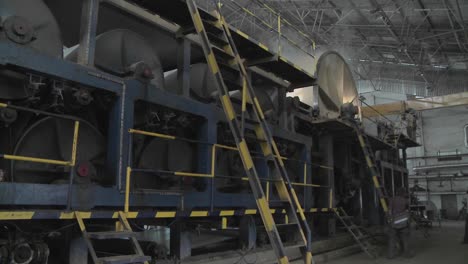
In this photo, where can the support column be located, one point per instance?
(89, 19)
(206, 133)
(327, 223)
(247, 232)
(120, 121)
(405, 176)
(181, 245)
(183, 66)
(78, 251)
(308, 193)
(283, 117)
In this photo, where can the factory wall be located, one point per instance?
(442, 136)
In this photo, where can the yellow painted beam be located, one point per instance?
(418, 105)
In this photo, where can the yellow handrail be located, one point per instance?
(68, 163)
(212, 169)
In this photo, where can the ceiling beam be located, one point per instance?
(427, 18)
(452, 25)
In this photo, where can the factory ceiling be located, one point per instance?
(424, 41)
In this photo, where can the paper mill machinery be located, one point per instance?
(109, 113)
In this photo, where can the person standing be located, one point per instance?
(398, 229)
(465, 241)
(462, 212)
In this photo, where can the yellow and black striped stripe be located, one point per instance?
(66, 215)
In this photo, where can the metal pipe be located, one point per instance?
(36, 160)
(436, 156)
(441, 167)
(438, 176)
(127, 190)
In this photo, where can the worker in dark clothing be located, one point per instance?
(398, 230)
(465, 241)
(462, 212)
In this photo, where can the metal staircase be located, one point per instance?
(230, 74)
(125, 233)
(357, 232)
(393, 140)
(377, 178)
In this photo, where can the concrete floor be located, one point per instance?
(442, 247)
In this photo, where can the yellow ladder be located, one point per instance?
(357, 232)
(377, 178)
(126, 232)
(222, 56)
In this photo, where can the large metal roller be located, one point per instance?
(164, 43)
(336, 87)
(202, 82)
(202, 88)
(52, 139)
(118, 50)
(29, 23)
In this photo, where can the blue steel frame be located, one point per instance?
(128, 91)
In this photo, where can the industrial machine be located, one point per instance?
(111, 116)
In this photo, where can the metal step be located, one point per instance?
(232, 85)
(358, 232)
(207, 16)
(211, 28)
(232, 68)
(299, 245)
(124, 259)
(219, 41)
(279, 203)
(219, 52)
(287, 225)
(253, 122)
(111, 234)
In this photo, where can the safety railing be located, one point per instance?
(68, 163)
(397, 127)
(262, 23)
(212, 174)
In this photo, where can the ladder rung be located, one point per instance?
(232, 85)
(111, 234)
(211, 28)
(279, 203)
(247, 136)
(206, 16)
(287, 225)
(233, 68)
(295, 246)
(222, 53)
(217, 40)
(124, 259)
(252, 121)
